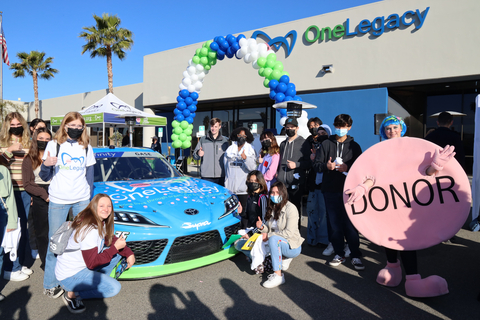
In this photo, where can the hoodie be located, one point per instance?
(348, 150)
(212, 160)
(297, 151)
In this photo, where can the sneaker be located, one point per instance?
(74, 305)
(357, 264)
(286, 263)
(337, 261)
(15, 276)
(347, 251)
(274, 280)
(2, 297)
(27, 271)
(53, 293)
(329, 250)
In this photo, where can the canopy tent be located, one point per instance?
(106, 112)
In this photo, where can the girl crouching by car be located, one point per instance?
(91, 254)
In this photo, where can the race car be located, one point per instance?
(173, 223)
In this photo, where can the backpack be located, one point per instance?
(59, 240)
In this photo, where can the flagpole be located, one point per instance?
(1, 60)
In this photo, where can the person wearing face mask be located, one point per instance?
(15, 143)
(68, 161)
(35, 124)
(294, 163)
(334, 159)
(269, 157)
(239, 160)
(38, 189)
(256, 205)
(313, 124)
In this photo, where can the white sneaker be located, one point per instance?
(15, 276)
(347, 251)
(2, 297)
(274, 280)
(286, 263)
(27, 271)
(329, 250)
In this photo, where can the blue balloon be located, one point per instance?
(189, 119)
(273, 84)
(229, 53)
(176, 111)
(214, 46)
(193, 115)
(195, 102)
(188, 101)
(186, 113)
(181, 106)
(285, 79)
(180, 117)
(279, 97)
(290, 92)
(282, 87)
(291, 86)
(220, 56)
(297, 98)
(184, 93)
(240, 36)
(235, 47)
(179, 99)
(192, 108)
(224, 45)
(231, 39)
(272, 94)
(287, 98)
(220, 39)
(194, 96)
(283, 112)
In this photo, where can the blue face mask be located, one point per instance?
(276, 199)
(341, 132)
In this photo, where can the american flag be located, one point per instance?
(4, 46)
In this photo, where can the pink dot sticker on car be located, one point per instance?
(406, 209)
(138, 185)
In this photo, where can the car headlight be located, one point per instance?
(134, 219)
(231, 204)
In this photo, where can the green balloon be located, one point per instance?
(272, 56)
(182, 137)
(212, 62)
(174, 137)
(278, 66)
(190, 126)
(204, 61)
(270, 64)
(175, 123)
(188, 132)
(265, 83)
(209, 42)
(261, 62)
(177, 144)
(261, 71)
(212, 55)
(184, 124)
(208, 67)
(189, 138)
(284, 73)
(267, 72)
(197, 52)
(196, 59)
(186, 144)
(178, 130)
(276, 74)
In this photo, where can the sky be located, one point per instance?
(53, 27)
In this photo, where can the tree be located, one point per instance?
(35, 64)
(106, 39)
(7, 106)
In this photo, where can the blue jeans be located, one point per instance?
(239, 245)
(341, 226)
(279, 248)
(97, 283)
(317, 230)
(57, 214)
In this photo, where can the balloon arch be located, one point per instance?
(259, 54)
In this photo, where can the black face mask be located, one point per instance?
(42, 145)
(322, 138)
(253, 186)
(290, 132)
(18, 131)
(74, 133)
(241, 141)
(313, 131)
(266, 144)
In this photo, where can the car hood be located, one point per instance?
(182, 202)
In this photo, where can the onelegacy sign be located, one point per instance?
(376, 27)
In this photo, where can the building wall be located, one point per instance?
(442, 48)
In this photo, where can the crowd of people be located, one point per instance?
(271, 196)
(43, 178)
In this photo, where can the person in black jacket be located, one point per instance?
(334, 159)
(156, 146)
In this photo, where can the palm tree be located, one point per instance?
(106, 39)
(35, 64)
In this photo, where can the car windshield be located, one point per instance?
(132, 168)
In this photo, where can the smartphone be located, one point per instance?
(121, 267)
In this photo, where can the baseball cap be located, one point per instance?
(291, 121)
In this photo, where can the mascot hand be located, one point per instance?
(356, 193)
(442, 156)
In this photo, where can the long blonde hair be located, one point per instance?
(6, 136)
(61, 135)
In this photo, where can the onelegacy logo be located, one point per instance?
(279, 41)
(70, 163)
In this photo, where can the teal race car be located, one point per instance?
(173, 223)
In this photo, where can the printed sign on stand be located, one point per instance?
(201, 131)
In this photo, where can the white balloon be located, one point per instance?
(254, 55)
(186, 74)
(255, 65)
(282, 121)
(199, 68)
(240, 55)
(206, 71)
(194, 77)
(270, 51)
(201, 75)
(191, 88)
(262, 47)
(187, 81)
(182, 87)
(251, 42)
(199, 85)
(244, 50)
(302, 125)
(242, 42)
(253, 47)
(191, 70)
(247, 58)
(263, 54)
